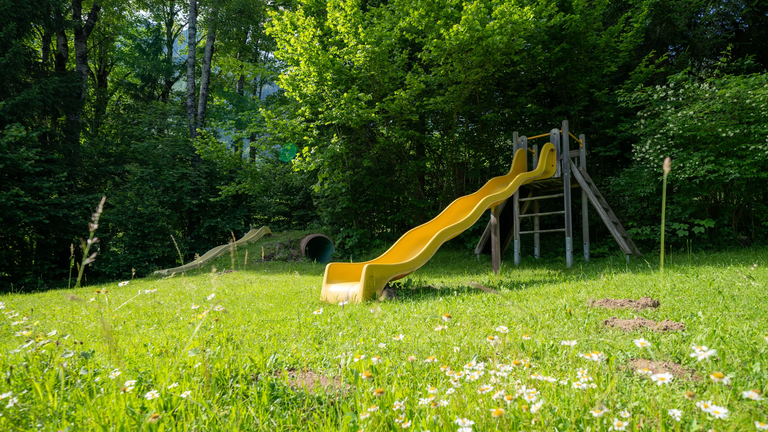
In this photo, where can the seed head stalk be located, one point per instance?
(86, 244)
(667, 168)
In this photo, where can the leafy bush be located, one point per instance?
(715, 129)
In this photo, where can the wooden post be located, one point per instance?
(495, 240)
(536, 239)
(523, 145)
(567, 196)
(584, 199)
(554, 138)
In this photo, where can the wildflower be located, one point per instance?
(592, 385)
(619, 425)
(718, 412)
(564, 382)
(6, 395)
(719, 377)
(430, 359)
(210, 297)
(443, 402)
(502, 329)
(432, 390)
(493, 340)
(398, 337)
(753, 394)
(766, 338)
(462, 422)
(382, 345)
(194, 306)
(358, 357)
(52, 333)
(122, 284)
(411, 359)
(760, 425)
(318, 312)
(152, 394)
(130, 383)
(596, 356)
(441, 327)
(496, 413)
(536, 407)
(455, 349)
(219, 308)
(450, 391)
(579, 385)
(598, 412)
(484, 389)
(154, 418)
(509, 399)
(93, 299)
(583, 375)
(642, 343)
(150, 291)
(661, 378)
(366, 375)
(405, 424)
(373, 408)
(364, 416)
(115, 373)
(342, 303)
(445, 368)
(690, 395)
(376, 359)
(526, 337)
(645, 371)
(676, 414)
(13, 401)
(174, 385)
(704, 405)
(398, 405)
(703, 355)
(530, 397)
(446, 317)
(624, 414)
(399, 419)
(425, 401)
(569, 343)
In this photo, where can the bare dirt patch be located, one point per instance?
(675, 369)
(642, 303)
(638, 323)
(313, 382)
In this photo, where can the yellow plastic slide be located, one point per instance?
(356, 282)
(251, 236)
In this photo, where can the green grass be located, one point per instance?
(233, 362)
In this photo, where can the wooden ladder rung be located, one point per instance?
(543, 214)
(541, 197)
(543, 231)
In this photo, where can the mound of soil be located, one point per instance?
(638, 323)
(312, 381)
(664, 366)
(642, 303)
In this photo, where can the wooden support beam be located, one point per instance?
(495, 240)
(523, 143)
(567, 197)
(536, 239)
(584, 199)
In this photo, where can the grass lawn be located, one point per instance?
(255, 349)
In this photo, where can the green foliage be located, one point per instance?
(714, 128)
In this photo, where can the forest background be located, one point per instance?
(177, 112)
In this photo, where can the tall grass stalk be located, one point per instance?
(86, 244)
(667, 168)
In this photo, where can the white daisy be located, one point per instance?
(676, 414)
(661, 378)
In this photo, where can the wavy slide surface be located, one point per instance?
(356, 282)
(251, 236)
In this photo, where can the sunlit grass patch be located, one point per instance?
(256, 350)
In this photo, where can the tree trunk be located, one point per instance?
(240, 86)
(62, 45)
(170, 42)
(46, 48)
(81, 33)
(191, 86)
(205, 79)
